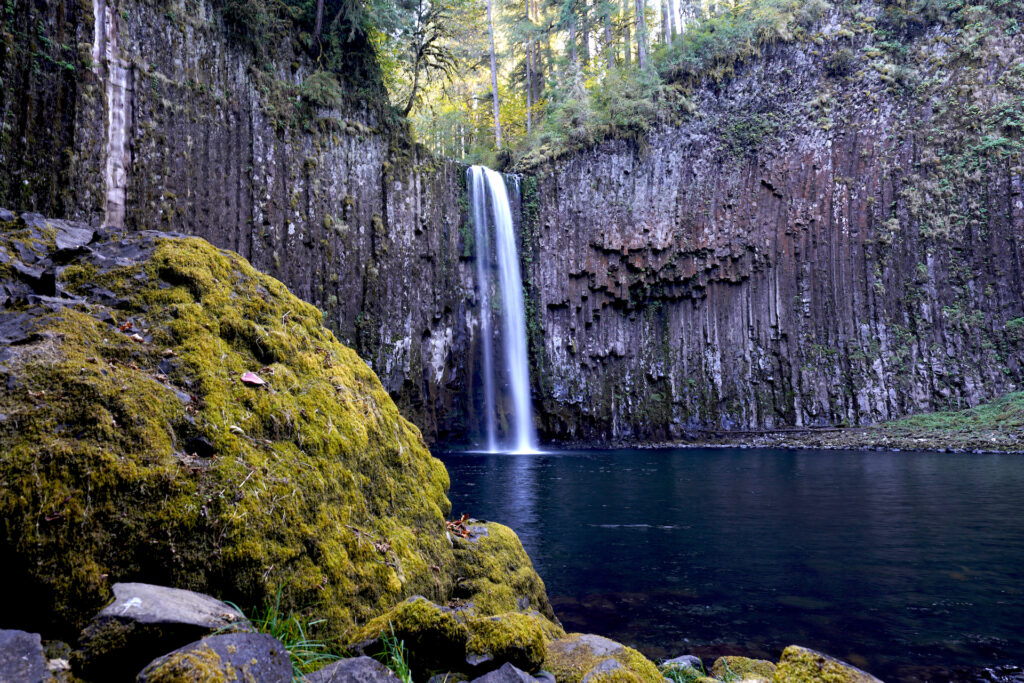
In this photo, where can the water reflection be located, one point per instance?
(910, 564)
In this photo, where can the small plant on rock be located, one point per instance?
(394, 655)
(307, 654)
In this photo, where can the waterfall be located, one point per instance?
(114, 72)
(510, 283)
(483, 267)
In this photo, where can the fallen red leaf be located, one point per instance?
(253, 379)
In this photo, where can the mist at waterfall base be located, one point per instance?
(487, 190)
(906, 565)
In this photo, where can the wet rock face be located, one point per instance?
(809, 250)
(815, 246)
(184, 130)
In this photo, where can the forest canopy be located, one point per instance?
(483, 79)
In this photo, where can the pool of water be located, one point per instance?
(908, 565)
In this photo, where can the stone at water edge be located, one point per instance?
(21, 657)
(229, 657)
(803, 665)
(683, 662)
(572, 658)
(353, 670)
(744, 667)
(146, 621)
(506, 674)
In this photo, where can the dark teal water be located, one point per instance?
(909, 565)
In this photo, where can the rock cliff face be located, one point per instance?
(835, 237)
(152, 116)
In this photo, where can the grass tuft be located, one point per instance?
(307, 653)
(394, 655)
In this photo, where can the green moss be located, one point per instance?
(512, 637)
(313, 484)
(739, 668)
(496, 574)
(801, 665)
(433, 636)
(201, 665)
(570, 659)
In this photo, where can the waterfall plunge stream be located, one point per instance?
(484, 183)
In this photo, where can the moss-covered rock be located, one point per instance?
(236, 657)
(495, 573)
(742, 668)
(573, 658)
(513, 637)
(440, 638)
(434, 638)
(803, 665)
(131, 449)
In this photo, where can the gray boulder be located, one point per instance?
(602, 669)
(21, 657)
(232, 656)
(355, 669)
(506, 674)
(684, 662)
(146, 621)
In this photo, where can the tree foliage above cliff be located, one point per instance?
(578, 71)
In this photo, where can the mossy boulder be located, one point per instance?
(495, 574)
(433, 636)
(512, 637)
(803, 665)
(742, 668)
(459, 639)
(579, 657)
(131, 448)
(235, 657)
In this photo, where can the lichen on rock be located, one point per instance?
(572, 659)
(803, 665)
(742, 667)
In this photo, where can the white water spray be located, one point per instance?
(524, 436)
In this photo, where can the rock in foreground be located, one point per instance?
(803, 665)
(255, 657)
(21, 657)
(144, 622)
(135, 446)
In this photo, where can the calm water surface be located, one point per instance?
(908, 565)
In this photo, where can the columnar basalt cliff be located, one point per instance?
(832, 237)
(835, 237)
(154, 116)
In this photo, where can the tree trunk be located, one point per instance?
(627, 40)
(585, 26)
(666, 22)
(494, 77)
(609, 46)
(641, 33)
(529, 84)
(319, 24)
(572, 39)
